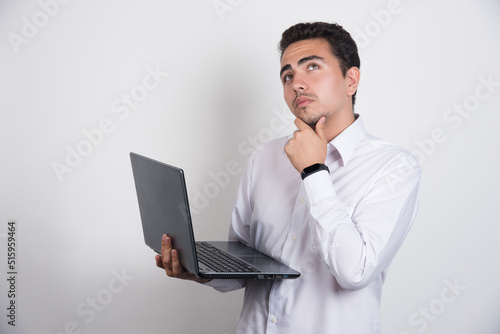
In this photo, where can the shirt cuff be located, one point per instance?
(319, 186)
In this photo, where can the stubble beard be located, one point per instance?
(311, 120)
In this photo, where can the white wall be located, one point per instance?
(77, 232)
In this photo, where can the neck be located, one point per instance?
(335, 125)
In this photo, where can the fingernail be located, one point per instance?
(167, 240)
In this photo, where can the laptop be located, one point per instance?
(164, 208)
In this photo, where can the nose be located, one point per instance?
(299, 82)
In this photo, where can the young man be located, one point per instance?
(331, 201)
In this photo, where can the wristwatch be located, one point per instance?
(313, 169)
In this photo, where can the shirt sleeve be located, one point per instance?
(358, 246)
(225, 285)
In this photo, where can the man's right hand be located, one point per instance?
(169, 260)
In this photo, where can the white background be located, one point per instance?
(75, 233)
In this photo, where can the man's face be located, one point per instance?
(313, 83)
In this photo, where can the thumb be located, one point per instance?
(320, 128)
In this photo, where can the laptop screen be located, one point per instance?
(164, 208)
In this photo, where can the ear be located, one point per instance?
(352, 76)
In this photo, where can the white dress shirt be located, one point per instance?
(341, 230)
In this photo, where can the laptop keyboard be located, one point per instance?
(218, 261)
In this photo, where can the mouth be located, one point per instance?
(302, 101)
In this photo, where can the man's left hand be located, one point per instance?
(307, 146)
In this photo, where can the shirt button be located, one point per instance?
(293, 237)
(274, 320)
(302, 200)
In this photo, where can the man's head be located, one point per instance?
(319, 70)
(341, 43)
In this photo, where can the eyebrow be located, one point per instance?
(300, 62)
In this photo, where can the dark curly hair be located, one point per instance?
(341, 43)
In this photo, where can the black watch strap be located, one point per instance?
(313, 169)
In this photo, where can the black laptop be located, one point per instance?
(164, 207)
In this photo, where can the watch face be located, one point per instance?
(312, 169)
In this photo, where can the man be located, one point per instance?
(331, 201)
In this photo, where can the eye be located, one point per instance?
(287, 77)
(312, 66)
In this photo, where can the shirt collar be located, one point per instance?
(347, 141)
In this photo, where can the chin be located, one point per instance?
(312, 120)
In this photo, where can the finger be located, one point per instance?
(166, 254)
(176, 264)
(166, 247)
(320, 129)
(288, 147)
(159, 262)
(300, 124)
